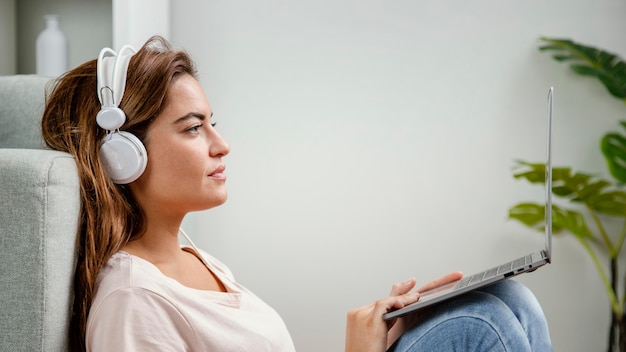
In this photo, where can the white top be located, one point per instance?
(138, 308)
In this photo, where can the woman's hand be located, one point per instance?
(406, 322)
(367, 331)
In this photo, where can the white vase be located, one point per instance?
(51, 49)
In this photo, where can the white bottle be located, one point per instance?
(51, 49)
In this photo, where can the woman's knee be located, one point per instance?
(473, 322)
(527, 310)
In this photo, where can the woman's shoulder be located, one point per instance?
(132, 292)
(124, 265)
(124, 271)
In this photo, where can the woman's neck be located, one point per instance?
(159, 244)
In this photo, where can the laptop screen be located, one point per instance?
(548, 182)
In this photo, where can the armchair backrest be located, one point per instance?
(39, 212)
(22, 99)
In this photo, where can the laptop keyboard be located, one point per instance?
(499, 270)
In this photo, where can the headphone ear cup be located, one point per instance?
(123, 156)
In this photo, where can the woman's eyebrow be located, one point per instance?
(191, 115)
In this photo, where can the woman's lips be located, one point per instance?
(218, 173)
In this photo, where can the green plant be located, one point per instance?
(593, 201)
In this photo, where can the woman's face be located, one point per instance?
(185, 171)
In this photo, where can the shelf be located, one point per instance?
(88, 25)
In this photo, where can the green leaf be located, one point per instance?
(549, 47)
(597, 193)
(593, 188)
(529, 214)
(572, 221)
(563, 58)
(585, 60)
(533, 215)
(610, 203)
(613, 146)
(586, 70)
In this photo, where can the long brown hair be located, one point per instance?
(109, 217)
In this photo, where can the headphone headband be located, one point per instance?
(111, 70)
(122, 154)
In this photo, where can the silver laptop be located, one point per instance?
(515, 267)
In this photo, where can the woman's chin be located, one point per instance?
(214, 201)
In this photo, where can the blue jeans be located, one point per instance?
(502, 317)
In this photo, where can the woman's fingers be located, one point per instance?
(400, 288)
(401, 291)
(366, 330)
(404, 287)
(444, 280)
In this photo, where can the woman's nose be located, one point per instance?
(219, 147)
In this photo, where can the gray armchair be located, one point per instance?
(39, 207)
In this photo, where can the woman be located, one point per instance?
(137, 289)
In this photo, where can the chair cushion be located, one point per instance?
(22, 99)
(39, 207)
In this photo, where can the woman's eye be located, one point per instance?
(194, 128)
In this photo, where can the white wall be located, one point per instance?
(134, 25)
(373, 141)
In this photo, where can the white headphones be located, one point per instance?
(122, 154)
